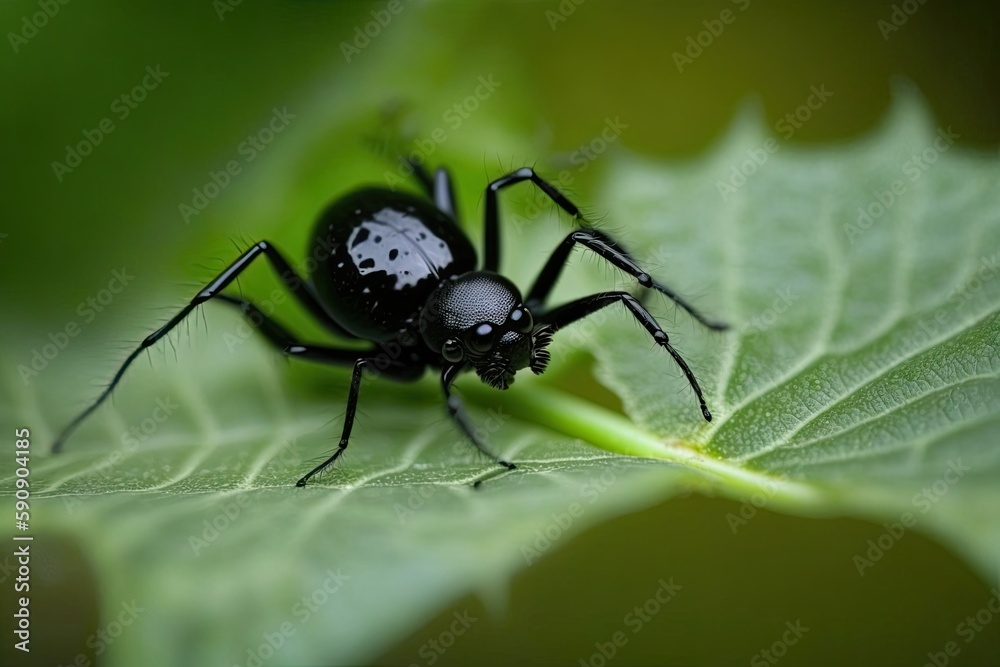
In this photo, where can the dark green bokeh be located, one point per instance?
(606, 60)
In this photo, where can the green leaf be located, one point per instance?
(862, 285)
(861, 369)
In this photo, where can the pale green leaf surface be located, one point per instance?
(882, 369)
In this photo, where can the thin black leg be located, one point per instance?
(575, 310)
(287, 343)
(444, 193)
(457, 413)
(491, 243)
(288, 276)
(439, 187)
(612, 251)
(352, 408)
(300, 288)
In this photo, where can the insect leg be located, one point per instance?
(444, 193)
(438, 187)
(458, 413)
(612, 251)
(491, 243)
(561, 316)
(286, 342)
(352, 408)
(298, 287)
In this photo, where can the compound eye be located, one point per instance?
(452, 351)
(522, 321)
(481, 339)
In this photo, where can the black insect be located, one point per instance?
(395, 269)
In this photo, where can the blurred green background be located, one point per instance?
(61, 239)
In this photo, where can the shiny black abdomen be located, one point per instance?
(379, 254)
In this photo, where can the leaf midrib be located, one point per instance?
(577, 418)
